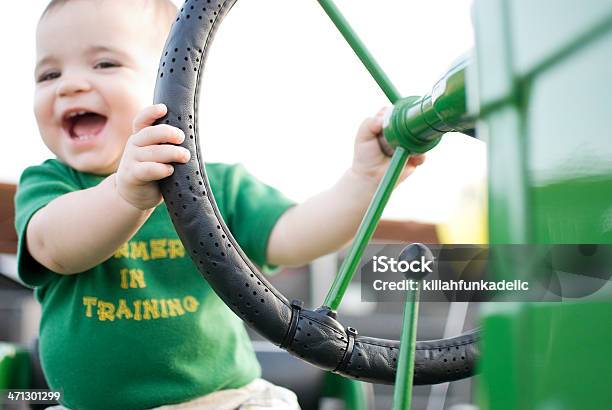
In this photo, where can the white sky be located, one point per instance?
(284, 94)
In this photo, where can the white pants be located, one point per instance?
(257, 395)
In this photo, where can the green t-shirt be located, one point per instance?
(143, 329)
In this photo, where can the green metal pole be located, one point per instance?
(402, 393)
(366, 229)
(381, 197)
(360, 49)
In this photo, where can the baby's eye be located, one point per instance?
(50, 75)
(107, 64)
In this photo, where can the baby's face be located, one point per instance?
(96, 66)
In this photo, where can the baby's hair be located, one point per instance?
(165, 10)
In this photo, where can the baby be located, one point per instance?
(128, 322)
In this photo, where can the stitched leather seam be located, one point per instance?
(469, 341)
(333, 329)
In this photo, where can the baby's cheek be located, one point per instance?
(43, 111)
(43, 107)
(129, 97)
(141, 86)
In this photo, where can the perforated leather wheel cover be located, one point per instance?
(311, 335)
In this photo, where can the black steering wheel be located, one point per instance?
(313, 335)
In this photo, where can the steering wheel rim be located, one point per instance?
(313, 335)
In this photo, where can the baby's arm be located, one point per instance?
(102, 218)
(327, 221)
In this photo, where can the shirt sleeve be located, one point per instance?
(253, 210)
(38, 186)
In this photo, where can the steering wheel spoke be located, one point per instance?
(361, 50)
(366, 229)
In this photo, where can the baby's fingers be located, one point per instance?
(146, 172)
(369, 129)
(158, 134)
(162, 154)
(416, 160)
(148, 116)
(372, 127)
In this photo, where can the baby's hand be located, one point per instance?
(147, 157)
(369, 162)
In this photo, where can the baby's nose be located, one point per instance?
(71, 85)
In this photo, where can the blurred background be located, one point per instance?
(300, 95)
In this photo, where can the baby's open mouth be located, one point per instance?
(84, 125)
